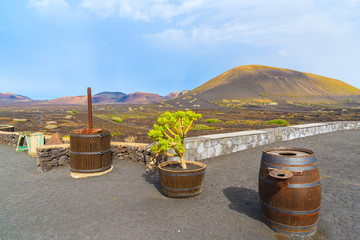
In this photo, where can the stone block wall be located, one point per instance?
(202, 147)
(9, 138)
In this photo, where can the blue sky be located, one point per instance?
(55, 48)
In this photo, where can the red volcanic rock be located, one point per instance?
(142, 98)
(175, 94)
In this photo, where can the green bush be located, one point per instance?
(202, 127)
(171, 133)
(72, 112)
(117, 120)
(213, 120)
(277, 122)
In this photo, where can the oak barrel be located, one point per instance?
(90, 152)
(290, 190)
(181, 183)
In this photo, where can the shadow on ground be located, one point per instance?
(152, 177)
(245, 201)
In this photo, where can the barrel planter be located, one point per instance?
(90, 152)
(290, 190)
(182, 183)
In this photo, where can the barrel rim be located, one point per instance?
(202, 165)
(77, 132)
(310, 152)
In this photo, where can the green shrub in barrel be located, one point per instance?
(179, 179)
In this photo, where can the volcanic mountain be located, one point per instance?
(266, 85)
(12, 97)
(115, 97)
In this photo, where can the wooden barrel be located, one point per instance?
(290, 190)
(90, 152)
(181, 183)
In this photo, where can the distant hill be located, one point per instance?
(249, 84)
(12, 97)
(109, 97)
(263, 84)
(113, 98)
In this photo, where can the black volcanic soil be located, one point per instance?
(139, 119)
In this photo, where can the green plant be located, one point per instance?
(213, 120)
(202, 127)
(117, 120)
(171, 133)
(72, 112)
(278, 122)
(130, 139)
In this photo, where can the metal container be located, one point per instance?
(290, 190)
(181, 183)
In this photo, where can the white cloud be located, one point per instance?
(264, 23)
(48, 6)
(187, 21)
(146, 10)
(170, 38)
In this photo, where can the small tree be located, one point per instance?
(171, 133)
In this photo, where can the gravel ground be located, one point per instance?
(126, 203)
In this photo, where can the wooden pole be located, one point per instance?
(89, 108)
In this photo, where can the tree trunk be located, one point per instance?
(182, 162)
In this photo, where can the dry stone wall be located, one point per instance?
(197, 148)
(52, 156)
(9, 138)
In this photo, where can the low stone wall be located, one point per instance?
(9, 138)
(7, 128)
(197, 148)
(51, 156)
(130, 151)
(202, 147)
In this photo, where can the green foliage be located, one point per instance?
(277, 122)
(117, 133)
(117, 120)
(171, 133)
(72, 112)
(202, 127)
(213, 120)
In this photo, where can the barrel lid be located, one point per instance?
(289, 152)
